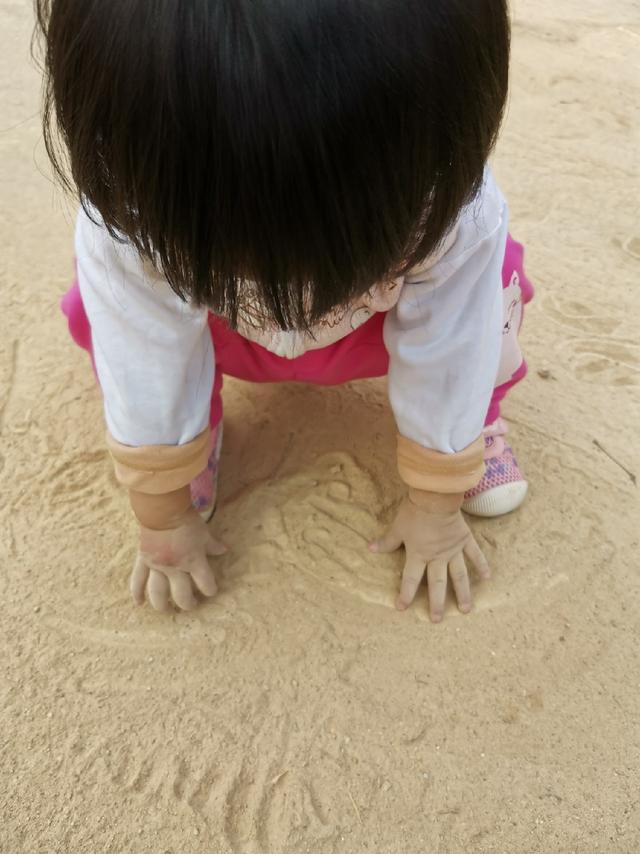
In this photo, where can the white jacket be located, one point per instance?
(154, 353)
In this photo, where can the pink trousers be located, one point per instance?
(360, 355)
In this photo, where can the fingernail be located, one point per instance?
(373, 547)
(400, 605)
(436, 618)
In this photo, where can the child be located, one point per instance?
(292, 190)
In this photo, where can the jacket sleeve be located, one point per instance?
(444, 341)
(154, 358)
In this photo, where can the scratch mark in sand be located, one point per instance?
(628, 32)
(355, 805)
(630, 474)
(10, 380)
(278, 777)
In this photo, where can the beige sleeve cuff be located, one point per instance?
(422, 468)
(156, 469)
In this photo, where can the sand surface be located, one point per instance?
(299, 712)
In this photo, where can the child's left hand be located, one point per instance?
(436, 538)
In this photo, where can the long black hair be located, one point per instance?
(312, 147)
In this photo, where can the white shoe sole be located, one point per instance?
(497, 501)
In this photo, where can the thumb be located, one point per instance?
(389, 542)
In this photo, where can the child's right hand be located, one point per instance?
(172, 564)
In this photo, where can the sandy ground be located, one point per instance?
(299, 712)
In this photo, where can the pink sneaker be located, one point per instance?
(204, 488)
(503, 487)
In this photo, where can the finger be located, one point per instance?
(437, 581)
(390, 542)
(214, 547)
(182, 591)
(138, 580)
(473, 552)
(460, 580)
(158, 590)
(412, 575)
(204, 578)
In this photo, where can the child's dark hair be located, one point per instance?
(314, 147)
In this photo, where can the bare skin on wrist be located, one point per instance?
(163, 512)
(436, 502)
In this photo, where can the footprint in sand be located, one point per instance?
(577, 316)
(605, 361)
(593, 355)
